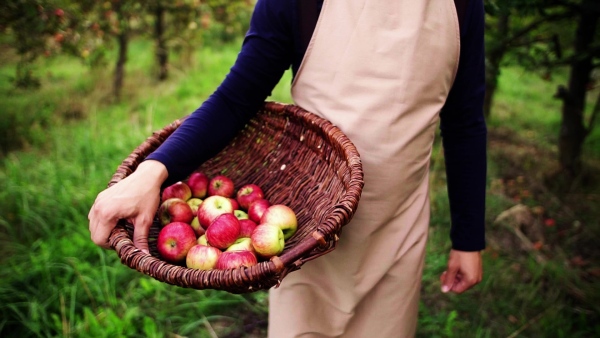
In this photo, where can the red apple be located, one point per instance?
(240, 214)
(211, 208)
(221, 185)
(59, 12)
(178, 190)
(247, 226)
(223, 231)
(198, 183)
(283, 217)
(174, 241)
(175, 210)
(249, 193)
(236, 259)
(194, 202)
(202, 257)
(235, 203)
(202, 240)
(267, 240)
(257, 208)
(241, 244)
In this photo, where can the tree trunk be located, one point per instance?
(162, 53)
(572, 130)
(123, 40)
(494, 57)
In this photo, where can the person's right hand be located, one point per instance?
(135, 198)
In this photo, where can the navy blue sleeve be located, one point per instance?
(265, 55)
(464, 137)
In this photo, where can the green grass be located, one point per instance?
(55, 282)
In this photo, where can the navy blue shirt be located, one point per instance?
(272, 45)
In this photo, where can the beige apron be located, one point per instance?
(380, 70)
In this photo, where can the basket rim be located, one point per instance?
(272, 272)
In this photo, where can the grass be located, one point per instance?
(71, 136)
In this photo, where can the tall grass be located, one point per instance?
(55, 282)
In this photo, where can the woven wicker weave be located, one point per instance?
(300, 160)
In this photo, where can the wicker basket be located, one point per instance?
(300, 160)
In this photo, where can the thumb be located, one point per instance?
(141, 230)
(447, 279)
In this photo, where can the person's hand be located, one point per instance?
(464, 271)
(135, 198)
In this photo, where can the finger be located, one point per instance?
(101, 232)
(449, 279)
(462, 285)
(140, 233)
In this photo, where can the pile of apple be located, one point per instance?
(207, 224)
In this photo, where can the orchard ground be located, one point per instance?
(61, 144)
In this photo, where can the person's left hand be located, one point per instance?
(464, 271)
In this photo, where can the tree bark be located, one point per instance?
(494, 57)
(573, 131)
(162, 53)
(123, 40)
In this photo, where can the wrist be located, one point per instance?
(153, 170)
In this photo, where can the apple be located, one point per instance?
(257, 208)
(202, 240)
(195, 223)
(241, 244)
(198, 183)
(235, 203)
(178, 190)
(282, 216)
(221, 185)
(223, 231)
(247, 226)
(194, 202)
(247, 194)
(174, 241)
(268, 240)
(240, 214)
(175, 210)
(202, 257)
(211, 208)
(236, 259)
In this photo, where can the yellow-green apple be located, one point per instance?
(240, 214)
(175, 210)
(247, 226)
(257, 208)
(267, 240)
(198, 183)
(195, 223)
(174, 241)
(235, 203)
(236, 259)
(202, 257)
(282, 216)
(202, 240)
(178, 190)
(247, 194)
(221, 185)
(194, 202)
(223, 231)
(241, 244)
(211, 208)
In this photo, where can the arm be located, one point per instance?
(265, 55)
(464, 137)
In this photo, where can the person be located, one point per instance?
(385, 72)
